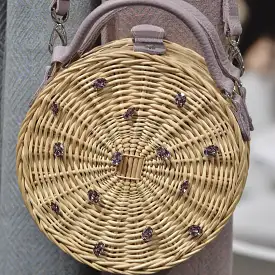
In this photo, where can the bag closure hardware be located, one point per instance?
(148, 39)
(58, 30)
(234, 54)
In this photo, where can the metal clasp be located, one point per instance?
(148, 39)
(235, 54)
(58, 30)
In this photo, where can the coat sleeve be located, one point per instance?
(24, 250)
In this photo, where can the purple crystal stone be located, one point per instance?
(180, 99)
(58, 150)
(93, 196)
(117, 158)
(129, 113)
(100, 83)
(184, 187)
(55, 108)
(55, 208)
(147, 234)
(99, 249)
(195, 231)
(163, 153)
(211, 151)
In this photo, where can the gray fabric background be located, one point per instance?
(3, 15)
(24, 250)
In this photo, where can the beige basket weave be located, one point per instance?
(144, 191)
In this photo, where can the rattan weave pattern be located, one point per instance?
(143, 190)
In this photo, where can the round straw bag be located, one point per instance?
(132, 162)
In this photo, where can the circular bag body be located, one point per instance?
(131, 162)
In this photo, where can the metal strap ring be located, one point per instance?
(59, 19)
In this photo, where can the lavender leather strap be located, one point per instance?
(205, 23)
(231, 19)
(232, 25)
(94, 33)
(61, 6)
(223, 72)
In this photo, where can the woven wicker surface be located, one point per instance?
(144, 190)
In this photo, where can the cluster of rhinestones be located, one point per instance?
(211, 151)
(58, 150)
(55, 108)
(184, 187)
(195, 231)
(163, 153)
(100, 83)
(117, 158)
(55, 208)
(129, 113)
(99, 249)
(93, 196)
(147, 234)
(180, 100)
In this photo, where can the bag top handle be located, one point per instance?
(232, 24)
(223, 72)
